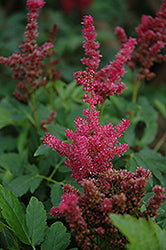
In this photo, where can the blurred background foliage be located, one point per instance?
(68, 15)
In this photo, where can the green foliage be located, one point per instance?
(12, 162)
(141, 234)
(36, 221)
(57, 238)
(56, 194)
(151, 160)
(31, 228)
(5, 118)
(13, 213)
(20, 185)
(27, 167)
(161, 107)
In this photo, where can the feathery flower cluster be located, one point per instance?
(115, 191)
(106, 81)
(27, 65)
(151, 37)
(70, 5)
(92, 146)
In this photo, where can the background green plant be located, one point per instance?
(31, 174)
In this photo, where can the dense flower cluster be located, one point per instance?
(92, 146)
(106, 81)
(89, 151)
(151, 37)
(69, 5)
(27, 65)
(115, 191)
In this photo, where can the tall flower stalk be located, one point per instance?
(91, 147)
(151, 39)
(26, 64)
(106, 81)
(89, 151)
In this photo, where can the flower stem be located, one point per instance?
(160, 143)
(102, 110)
(35, 111)
(50, 180)
(137, 85)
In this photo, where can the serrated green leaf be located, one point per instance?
(36, 221)
(5, 118)
(141, 234)
(22, 184)
(56, 194)
(57, 238)
(13, 213)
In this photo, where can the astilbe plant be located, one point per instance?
(91, 147)
(89, 151)
(151, 38)
(26, 64)
(114, 191)
(106, 81)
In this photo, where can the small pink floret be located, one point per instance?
(34, 5)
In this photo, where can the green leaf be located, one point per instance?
(13, 213)
(1, 226)
(12, 162)
(57, 130)
(20, 185)
(141, 234)
(7, 143)
(22, 140)
(148, 159)
(36, 221)
(57, 238)
(146, 112)
(161, 107)
(148, 115)
(56, 194)
(7, 177)
(42, 150)
(5, 118)
(8, 240)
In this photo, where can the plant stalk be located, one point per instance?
(101, 111)
(35, 111)
(160, 143)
